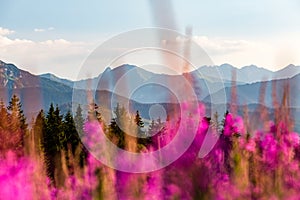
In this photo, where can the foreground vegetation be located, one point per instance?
(47, 159)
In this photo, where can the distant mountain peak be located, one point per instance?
(227, 65)
(125, 67)
(8, 66)
(13, 77)
(255, 68)
(291, 66)
(48, 75)
(251, 66)
(52, 77)
(107, 69)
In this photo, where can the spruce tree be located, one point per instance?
(115, 132)
(79, 121)
(17, 125)
(15, 108)
(142, 137)
(138, 120)
(3, 117)
(94, 112)
(38, 131)
(51, 141)
(155, 127)
(139, 123)
(70, 132)
(152, 130)
(6, 140)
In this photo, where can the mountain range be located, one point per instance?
(251, 73)
(142, 88)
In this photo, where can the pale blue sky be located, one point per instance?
(257, 24)
(213, 17)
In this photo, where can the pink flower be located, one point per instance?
(233, 125)
(250, 145)
(247, 144)
(293, 139)
(270, 150)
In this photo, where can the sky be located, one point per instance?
(58, 36)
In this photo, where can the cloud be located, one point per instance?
(64, 57)
(219, 45)
(60, 56)
(43, 30)
(4, 31)
(274, 52)
(39, 30)
(238, 52)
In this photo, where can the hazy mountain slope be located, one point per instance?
(142, 86)
(251, 93)
(57, 79)
(251, 73)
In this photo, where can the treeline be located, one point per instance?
(59, 137)
(13, 127)
(55, 139)
(55, 136)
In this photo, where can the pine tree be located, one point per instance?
(6, 140)
(3, 117)
(15, 108)
(71, 142)
(59, 127)
(155, 127)
(70, 132)
(94, 112)
(52, 141)
(156, 131)
(152, 130)
(38, 131)
(139, 123)
(138, 120)
(116, 134)
(142, 137)
(121, 116)
(49, 143)
(17, 125)
(79, 121)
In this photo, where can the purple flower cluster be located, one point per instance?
(241, 165)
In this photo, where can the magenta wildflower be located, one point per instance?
(270, 150)
(233, 125)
